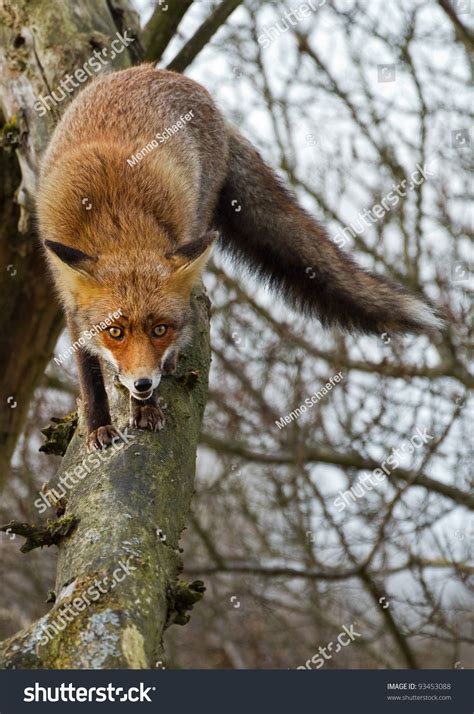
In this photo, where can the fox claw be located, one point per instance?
(101, 438)
(148, 416)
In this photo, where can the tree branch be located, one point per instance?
(161, 27)
(326, 456)
(202, 36)
(463, 32)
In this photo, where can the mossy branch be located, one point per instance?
(39, 536)
(59, 434)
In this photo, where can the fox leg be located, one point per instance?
(95, 403)
(146, 414)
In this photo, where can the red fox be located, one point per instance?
(140, 179)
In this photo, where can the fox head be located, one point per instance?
(149, 292)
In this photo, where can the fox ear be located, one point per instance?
(191, 258)
(72, 257)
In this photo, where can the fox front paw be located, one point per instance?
(101, 438)
(147, 416)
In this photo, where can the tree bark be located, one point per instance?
(125, 516)
(161, 27)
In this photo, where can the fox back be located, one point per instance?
(126, 227)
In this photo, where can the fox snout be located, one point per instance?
(139, 355)
(141, 387)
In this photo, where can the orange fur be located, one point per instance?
(132, 221)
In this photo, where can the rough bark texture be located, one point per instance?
(40, 43)
(130, 509)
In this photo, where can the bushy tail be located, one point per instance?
(263, 225)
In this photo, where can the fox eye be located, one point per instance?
(159, 330)
(116, 332)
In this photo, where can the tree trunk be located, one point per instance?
(124, 517)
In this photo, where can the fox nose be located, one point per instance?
(143, 385)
